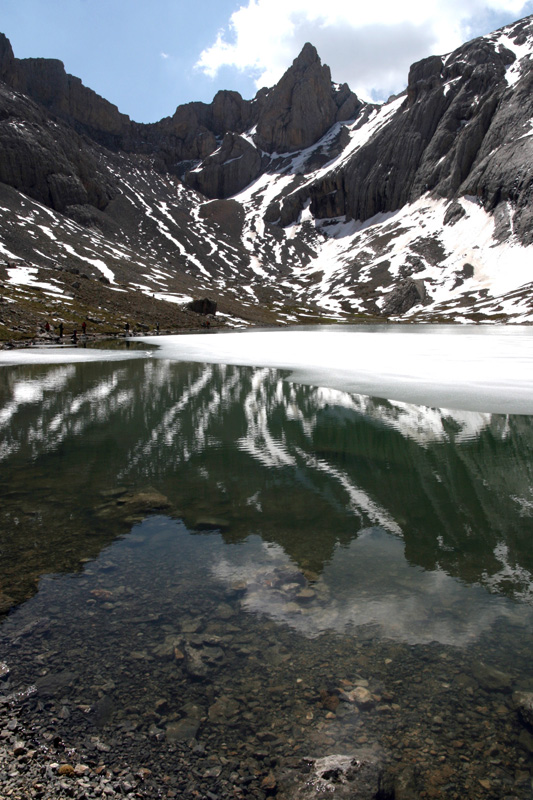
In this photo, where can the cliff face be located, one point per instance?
(305, 194)
(437, 134)
(303, 106)
(291, 116)
(46, 82)
(455, 113)
(48, 162)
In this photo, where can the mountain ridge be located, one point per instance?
(302, 204)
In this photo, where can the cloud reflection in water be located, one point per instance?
(367, 584)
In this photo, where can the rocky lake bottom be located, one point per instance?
(144, 675)
(281, 593)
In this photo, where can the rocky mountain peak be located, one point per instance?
(302, 106)
(308, 55)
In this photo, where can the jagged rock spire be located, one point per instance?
(303, 105)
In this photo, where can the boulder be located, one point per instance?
(491, 679)
(203, 306)
(182, 730)
(523, 702)
(145, 502)
(360, 774)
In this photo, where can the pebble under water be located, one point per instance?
(216, 583)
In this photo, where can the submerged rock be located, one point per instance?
(223, 709)
(360, 696)
(146, 501)
(103, 711)
(357, 775)
(329, 701)
(524, 705)
(211, 524)
(194, 665)
(490, 678)
(182, 730)
(55, 682)
(306, 595)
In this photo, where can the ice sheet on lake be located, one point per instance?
(66, 355)
(480, 369)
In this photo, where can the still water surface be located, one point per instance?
(216, 553)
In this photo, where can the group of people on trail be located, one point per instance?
(61, 329)
(74, 335)
(127, 328)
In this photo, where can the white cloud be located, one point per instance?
(164, 56)
(368, 45)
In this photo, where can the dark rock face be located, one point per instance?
(193, 132)
(441, 137)
(502, 170)
(7, 59)
(47, 162)
(189, 135)
(232, 167)
(303, 106)
(457, 113)
(203, 306)
(436, 133)
(46, 81)
(454, 213)
(403, 297)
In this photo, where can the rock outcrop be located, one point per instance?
(193, 132)
(47, 161)
(436, 134)
(7, 60)
(303, 106)
(46, 82)
(404, 296)
(228, 170)
(453, 117)
(203, 306)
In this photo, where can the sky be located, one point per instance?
(149, 57)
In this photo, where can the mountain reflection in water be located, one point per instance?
(244, 451)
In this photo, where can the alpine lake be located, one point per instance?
(217, 582)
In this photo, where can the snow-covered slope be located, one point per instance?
(417, 209)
